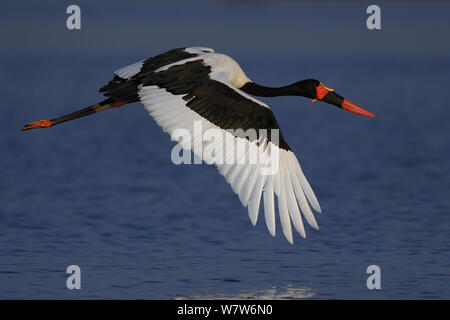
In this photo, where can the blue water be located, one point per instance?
(102, 192)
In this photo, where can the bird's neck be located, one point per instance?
(295, 89)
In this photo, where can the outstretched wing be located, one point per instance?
(188, 94)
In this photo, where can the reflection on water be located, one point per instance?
(285, 293)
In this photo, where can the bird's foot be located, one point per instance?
(41, 123)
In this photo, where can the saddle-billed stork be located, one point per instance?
(185, 85)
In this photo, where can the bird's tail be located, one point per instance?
(101, 106)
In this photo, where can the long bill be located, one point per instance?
(333, 98)
(101, 106)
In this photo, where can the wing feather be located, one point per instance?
(294, 212)
(255, 198)
(282, 207)
(269, 205)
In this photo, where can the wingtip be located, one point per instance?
(289, 237)
(313, 223)
(317, 207)
(253, 220)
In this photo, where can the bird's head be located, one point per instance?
(314, 89)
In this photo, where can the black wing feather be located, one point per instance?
(121, 89)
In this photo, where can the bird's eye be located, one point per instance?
(316, 83)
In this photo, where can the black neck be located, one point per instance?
(295, 89)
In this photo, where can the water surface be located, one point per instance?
(102, 193)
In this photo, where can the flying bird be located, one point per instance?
(186, 85)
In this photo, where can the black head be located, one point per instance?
(306, 88)
(312, 88)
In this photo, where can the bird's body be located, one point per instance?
(200, 91)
